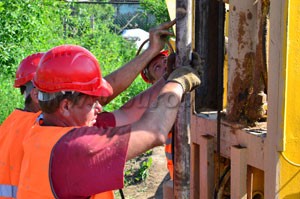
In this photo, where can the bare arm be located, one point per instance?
(122, 78)
(152, 129)
(135, 107)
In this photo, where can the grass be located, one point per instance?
(137, 170)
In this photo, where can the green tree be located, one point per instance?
(29, 26)
(158, 8)
(26, 27)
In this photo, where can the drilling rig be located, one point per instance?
(237, 135)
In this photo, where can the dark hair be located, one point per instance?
(52, 105)
(28, 99)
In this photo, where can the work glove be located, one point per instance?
(188, 76)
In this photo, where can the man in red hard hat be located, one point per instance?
(155, 69)
(13, 129)
(75, 150)
(24, 75)
(12, 146)
(123, 77)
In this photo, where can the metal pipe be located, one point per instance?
(182, 124)
(221, 19)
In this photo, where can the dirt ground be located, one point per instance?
(151, 188)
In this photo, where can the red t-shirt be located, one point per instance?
(90, 160)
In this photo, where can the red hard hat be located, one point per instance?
(71, 68)
(27, 69)
(144, 72)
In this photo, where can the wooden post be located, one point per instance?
(182, 124)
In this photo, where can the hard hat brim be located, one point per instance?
(105, 90)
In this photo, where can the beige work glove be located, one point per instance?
(188, 76)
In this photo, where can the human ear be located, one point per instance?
(34, 95)
(64, 107)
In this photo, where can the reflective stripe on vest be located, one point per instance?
(169, 154)
(8, 191)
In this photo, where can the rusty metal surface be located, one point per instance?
(182, 152)
(182, 124)
(247, 62)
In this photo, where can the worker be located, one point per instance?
(65, 156)
(154, 70)
(24, 74)
(12, 129)
(123, 77)
(12, 147)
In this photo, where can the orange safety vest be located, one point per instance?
(12, 132)
(169, 155)
(34, 179)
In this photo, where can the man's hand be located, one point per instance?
(188, 76)
(159, 35)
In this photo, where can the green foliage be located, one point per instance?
(30, 26)
(158, 8)
(137, 173)
(140, 19)
(1, 6)
(136, 87)
(26, 27)
(88, 21)
(10, 98)
(144, 170)
(33, 26)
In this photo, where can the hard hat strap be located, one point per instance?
(28, 87)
